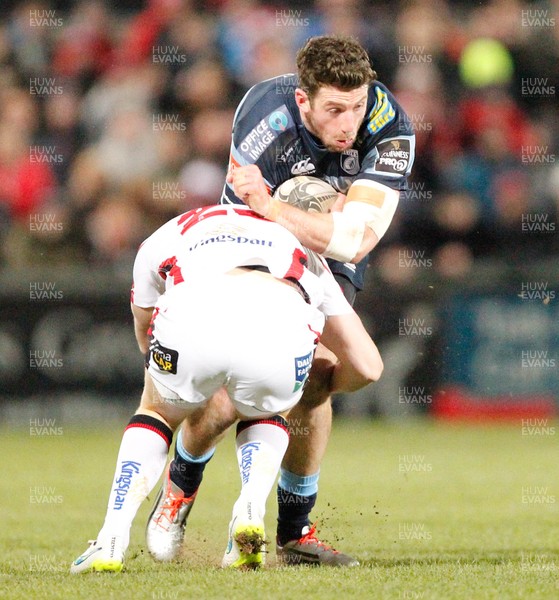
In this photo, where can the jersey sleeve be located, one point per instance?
(147, 284)
(154, 261)
(334, 303)
(390, 141)
(333, 300)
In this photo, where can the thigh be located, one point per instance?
(152, 403)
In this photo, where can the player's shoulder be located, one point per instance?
(268, 94)
(266, 114)
(268, 104)
(384, 116)
(161, 239)
(173, 227)
(172, 234)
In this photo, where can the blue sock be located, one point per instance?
(186, 471)
(296, 498)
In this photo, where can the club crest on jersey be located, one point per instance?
(382, 112)
(349, 161)
(303, 365)
(165, 358)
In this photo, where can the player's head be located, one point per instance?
(334, 78)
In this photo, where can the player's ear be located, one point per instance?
(302, 100)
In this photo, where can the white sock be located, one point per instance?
(260, 449)
(141, 460)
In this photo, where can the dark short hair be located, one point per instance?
(339, 61)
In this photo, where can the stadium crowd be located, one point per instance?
(114, 117)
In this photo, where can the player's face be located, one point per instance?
(333, 115)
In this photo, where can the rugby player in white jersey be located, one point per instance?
(224, 299)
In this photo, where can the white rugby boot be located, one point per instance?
(102, 556)
(167, 521)
(246, 548)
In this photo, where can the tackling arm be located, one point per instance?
(359, 361)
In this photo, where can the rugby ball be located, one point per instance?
(307, 193)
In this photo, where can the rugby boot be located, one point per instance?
(167, 521)
(101, 556)
(309, 550)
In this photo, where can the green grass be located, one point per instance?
(431, 511)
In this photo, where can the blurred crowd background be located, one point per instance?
(116, 116)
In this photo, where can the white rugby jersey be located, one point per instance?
(203, 243)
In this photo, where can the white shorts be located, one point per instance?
(249, 333)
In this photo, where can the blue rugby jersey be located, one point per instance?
(268, 131)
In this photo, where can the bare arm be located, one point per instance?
(359, 361)
(142, 319)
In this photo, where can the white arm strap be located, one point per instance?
(346, 238)
(373, 202)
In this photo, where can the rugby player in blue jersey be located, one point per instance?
(335, 121)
